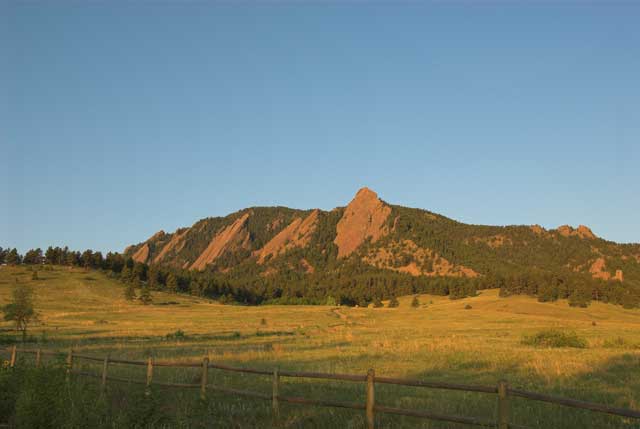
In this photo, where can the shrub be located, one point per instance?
(129, 292)
(415, 303)
(555, 338)
(177, 335)
(145, 295)
(377, 303)
(393, 303)
(263, 321)
(468, 307)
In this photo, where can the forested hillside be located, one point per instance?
(371, 249)
(365, 252)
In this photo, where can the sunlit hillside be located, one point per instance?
(471, 340)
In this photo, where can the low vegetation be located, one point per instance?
(442, 342)
(555, 338)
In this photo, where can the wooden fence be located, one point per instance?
(503, 391)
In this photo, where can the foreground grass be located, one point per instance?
(441, 341)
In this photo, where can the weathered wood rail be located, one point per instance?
(502, 389)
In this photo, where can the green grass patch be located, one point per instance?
(555, 338)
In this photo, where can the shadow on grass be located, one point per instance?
(615, 382)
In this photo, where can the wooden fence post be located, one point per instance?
(147, 391)
(370, 399)
(14, 355)
(503, 405)
(69, 364)
(203, 378)
(274, 394)
(38, 357)
(105, 366)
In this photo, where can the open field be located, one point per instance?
(439, 341)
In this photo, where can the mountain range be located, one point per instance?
(369, 233)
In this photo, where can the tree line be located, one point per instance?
(349, 284)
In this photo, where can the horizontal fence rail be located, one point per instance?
(503, 391)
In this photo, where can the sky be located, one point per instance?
(118, 119)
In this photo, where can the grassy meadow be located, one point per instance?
(441, 341)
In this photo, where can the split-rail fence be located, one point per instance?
(503, 391)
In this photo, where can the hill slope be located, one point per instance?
(440, 340)
(369, 232)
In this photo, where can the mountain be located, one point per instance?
(371, 234)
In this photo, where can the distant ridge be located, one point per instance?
(369, 232)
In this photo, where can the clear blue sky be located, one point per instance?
(120, 119)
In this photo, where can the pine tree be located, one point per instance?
(415, 303)
(13, 257)
(172, 283)
(129, 292)
(153, 278)
(145, 295)
(125, 274)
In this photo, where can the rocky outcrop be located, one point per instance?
(142, 254)
(297, 234)
(232, 237)
(176, 243)
(364, 218)
(408, 257)
(493, 241)
(538, 230)
(582, 232)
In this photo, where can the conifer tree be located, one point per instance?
(415, 303)
(129, 292)
(172, 283)
(145, 295)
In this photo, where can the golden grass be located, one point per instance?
(440, 340)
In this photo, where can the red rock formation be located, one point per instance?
(297, 234)
(585, 232)
(233, 236)
(363, 218)
(308, 268)
(538, 230)
(598, 271)
(141, 254)
(582, 232)
(176, 243)
(384, 258)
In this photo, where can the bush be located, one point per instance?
(468, 307)
(555, 338)
(415, 303)
(177, 335)
(393, 303)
